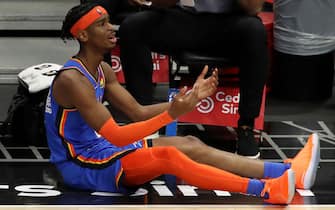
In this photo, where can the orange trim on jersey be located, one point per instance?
(86, 20)
(84, 67)
(62, 131)
(62, 123)
(102, 79)
(71, 149)
(118, 177)
(74, 68)
(100, 161)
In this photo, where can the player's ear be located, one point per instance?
(82, 36)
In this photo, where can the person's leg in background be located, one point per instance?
(163, 31)
(135, 54)
(251, 55)
(241, 37)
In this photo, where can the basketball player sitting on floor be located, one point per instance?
(92, 152)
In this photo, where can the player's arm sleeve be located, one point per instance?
(127, 134)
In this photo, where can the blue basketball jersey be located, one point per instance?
(85, 159)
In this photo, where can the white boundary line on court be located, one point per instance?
(274, 146)
(326, 129)
(322, 136)
(5, 152)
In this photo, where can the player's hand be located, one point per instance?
(252, 7)
(184, 102)
(207, 86)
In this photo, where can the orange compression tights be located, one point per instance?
(146, 164)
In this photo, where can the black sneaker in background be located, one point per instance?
(246, 143)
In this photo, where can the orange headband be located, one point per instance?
(87, 19)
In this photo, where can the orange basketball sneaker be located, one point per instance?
(306, 162)
(280, 190)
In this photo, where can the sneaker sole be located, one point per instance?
(251, 157)
(255, 156)
(291, 185)
(310, 175)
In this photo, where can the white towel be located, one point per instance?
(39, 77)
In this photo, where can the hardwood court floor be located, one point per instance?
(26, 183)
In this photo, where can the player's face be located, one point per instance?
(101, 34)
